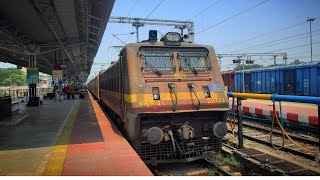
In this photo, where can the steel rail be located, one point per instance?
(278, 132)
(285, 149)
(218, 168)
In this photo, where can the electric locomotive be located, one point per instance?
(169, 98)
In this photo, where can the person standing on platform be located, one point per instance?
(60, 90)
(68, 90)
(64, 92)
(73, 91)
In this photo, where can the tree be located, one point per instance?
(273, 65)
(297, 61)
(7, 82)
(247, 66)
(12, 77)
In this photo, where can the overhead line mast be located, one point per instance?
(310, 20)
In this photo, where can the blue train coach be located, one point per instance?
(267, 80)
(301, 79)
(238, 81)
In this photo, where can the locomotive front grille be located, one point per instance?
(189, 150)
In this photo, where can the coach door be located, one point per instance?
(289, 82)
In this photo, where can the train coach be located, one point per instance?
(301, 79)
(169, 98)
(228, 79)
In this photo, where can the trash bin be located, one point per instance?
(5, 107)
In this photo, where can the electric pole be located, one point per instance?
(243, 84)
(219, 57)
(102, 65)
(310, 21)
(137, 25)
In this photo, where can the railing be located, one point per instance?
(273, 98)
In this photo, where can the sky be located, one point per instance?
(269, 26)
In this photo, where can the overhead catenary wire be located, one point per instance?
(265, 60)
(153, 10)
(215, 3)
(286, 38)
(264, 34)
(282, 50)
(267, 33)
(134, 5)
(242, 12)
(304, 57)
(292, 47)
(299, 53)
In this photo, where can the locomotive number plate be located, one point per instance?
(151, 103)
(216, 100)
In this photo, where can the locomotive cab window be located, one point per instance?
(194, 61)
(157, 61)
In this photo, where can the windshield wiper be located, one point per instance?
(155, 70)
(194, 71)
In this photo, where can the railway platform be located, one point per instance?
(297, 113)
(72, 137)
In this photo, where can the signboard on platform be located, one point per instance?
(56, 76)
(32, 75)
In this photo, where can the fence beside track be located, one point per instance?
(275, 114)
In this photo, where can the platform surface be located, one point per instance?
(73, 137)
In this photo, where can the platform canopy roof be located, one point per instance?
(68, 32)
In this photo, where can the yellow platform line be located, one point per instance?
(56, 160)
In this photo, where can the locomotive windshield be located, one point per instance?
(157, 61)
(194, 61)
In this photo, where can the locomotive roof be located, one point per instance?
(161, 44)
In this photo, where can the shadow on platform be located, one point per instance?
(41, 127)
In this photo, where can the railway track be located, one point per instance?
(202, 167)
(261, 134)
(257, 161)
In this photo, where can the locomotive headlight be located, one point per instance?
(171, 86)
(206, 91)
(156, 93)
(154, 135)
(172, 38)
(220, 129)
